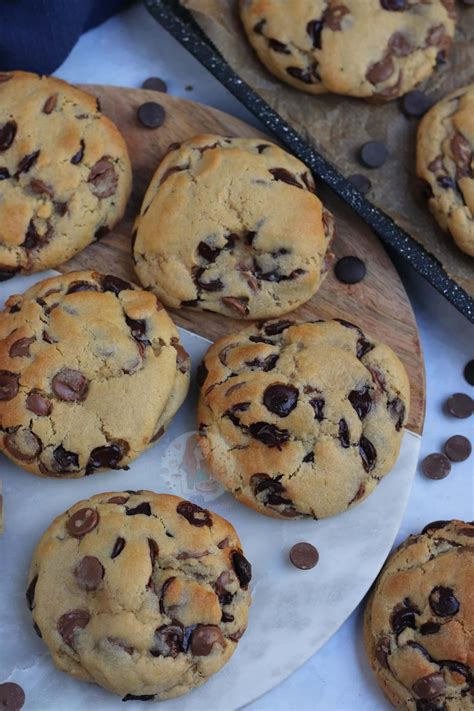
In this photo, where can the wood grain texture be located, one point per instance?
(378, 304)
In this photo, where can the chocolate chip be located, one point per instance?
(155, 84)
(242, 569)
(168, 640)
(204, 638)
(304, 556)
(4, 173)
(396, 408)
(201, 374)
(194, 514)
(469, 368)
(443, 602)
(394, 5)
(224, 596)
(7, 135)
(151, 114)
(41, 188)
(272, 489)
(118, 500)
(160, 431)
(106, 457)
(70, 385)
(237, 303)
(81, 286)
(208, 253)
(138, 329)
(446, 182)
(27, 163)
(403, 616)
(66, 459)
(269, 434)
(382, 652)
(101, 232)
(82, 522)
(265, 364)
(117, 642)
(144, 509)
(70, 623)
(50, 104)
(429, 628)
(280, 399)
(361, 401)
(460, 405)
(21, 348)
(8, 385)
(376, 74)
(368, 453)
(120, 543)
(213, 285)
(12, 696)
(415, 103)
(103, 179)
(373, 154)
(436, 466)
(144, 697)
(434, 526)
(350, 270)
(283, 175)
(77, 157)
(278, 46)
(314, 29)
(334, 15)
(399, 46)
(343, 433)
(277, 327)
(22, 444)
(30, 593)
(458, 448)
(318, 406)
(258, 27)
(430, 686)
(89, 573)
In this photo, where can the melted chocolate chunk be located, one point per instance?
(314, 29)
(70, 385)
(265, 364)
(396, 408)
(403, 616)
(382, 652)
(443, 601)
(30, 593)
(194, 514)
(269, 491)
(283, 175)
(27, 163)
(429, 628)
(77, 157)
(65, 459)
(119, 545)
(70, 623)
(201, 374)
(277, 327)
(361, 401)
(278, 46)
(115, 284)
(107, 457)
(103, 179)
(368, 453)
(343, 434)
(269, 434)
(82, 522)
(143, 509)
(242, 569)
(50, 104)
(208, 253)
(280, 399)
(168, 640)
(7, 135)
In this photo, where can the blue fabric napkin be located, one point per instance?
(37, 35)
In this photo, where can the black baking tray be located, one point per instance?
(180, 23)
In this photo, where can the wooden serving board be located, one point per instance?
(379, 304)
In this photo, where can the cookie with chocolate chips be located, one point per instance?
(301, 419)
(233, 226)
(445, 161)
(65, 174)
(91, 372)
(326, 45)
(419, 627)
(145, 594)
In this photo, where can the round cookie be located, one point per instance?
(419, 623)
(325, 45)
(65, 175)
(232, 225)
(301, 419)
(91, 373)
(445, 161)
(145, 594)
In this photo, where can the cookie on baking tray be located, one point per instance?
(232, 225)
(327, 45)
(445, 150)
(65, 175)
(301, 419)
(419, 621)
(91, 372)
(145, 594)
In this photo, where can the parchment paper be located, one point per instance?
(337, 125)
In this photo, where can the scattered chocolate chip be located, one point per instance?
(280, 399)
(155, 84)
(270, 491)
(120, 543)
(314, 29)
(101, 232)
(318, 406)
(382, 652)
(66, 459)
(350, 270)
(304, 556)
(443, 602)
(70, 623)
(151, 114)
(361, 401)
(201, 374)
(458, 448)
(430, 686)
(138, 329)
(368, 453)
(4, 173)
(269, 434)
(81, 286)
(122, 644)
(159, 432)
(415, 103)
(277, 327)
(213, 285)
(460, 405)
(89, 573)
(77, 157)
(403, 616)
(378, 73)
(343, 434)
(12, 696)
(283, 175)
(103, 179)
(7, 135)
(203, 639)
(434, 526)
(194, 514)
(446, 182)
(436, 466)
(8, 385)
(30, 593)
(396, 408)
(27, 163)
(21, 348)
(278, 46)
(50, 104)
(237, 303)
(469, 367)
(242, 568)
(82, 522)
(118, 500)
(22, 444)
(144, 697)
(429, 628)
(373, 154)
(37, 403)
(144, 509)
(70, 385)
(168, 640)
(107, 457)
(41, 188)
(265, 364)
(394, 5)
(333, 17)
(207, 252)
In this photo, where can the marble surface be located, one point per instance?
(125, 51)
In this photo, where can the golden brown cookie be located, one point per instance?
(419, 621)
(145, 594)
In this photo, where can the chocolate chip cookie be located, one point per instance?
(445, 161)
(327, 45)
(65, 175)
(234, 226)
(145, 594)
(91, 372)
(419, 624)
(301, 419)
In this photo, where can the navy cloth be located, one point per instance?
(37, 35)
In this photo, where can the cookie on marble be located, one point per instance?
(65, 174)
(301, 419)
(232, 225)
(145, 594)
(326, 45)
(91, 372)
(419, 624)
(445, 150)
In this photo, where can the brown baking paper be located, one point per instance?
(337, 125)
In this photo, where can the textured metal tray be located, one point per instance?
(180, 23)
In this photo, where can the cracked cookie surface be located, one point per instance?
(65, 175)
(326, 45)
(419, 621)
(445, 161)
(91, 373)
(232, 225)
(145, 594)
(301, 419)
